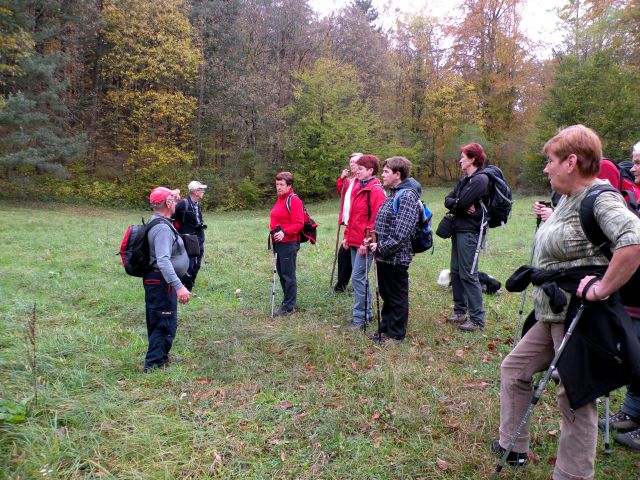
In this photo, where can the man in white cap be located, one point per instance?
(188, 219)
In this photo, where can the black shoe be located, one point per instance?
(515, 459)
(621, 422)
(338, 289)
(282, 312)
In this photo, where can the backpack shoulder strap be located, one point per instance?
(589, 223)
(288, 201)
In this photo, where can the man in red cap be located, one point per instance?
(163, 289)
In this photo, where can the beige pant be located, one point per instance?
(578, 437)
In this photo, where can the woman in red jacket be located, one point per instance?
(286, 221)
(365, 202)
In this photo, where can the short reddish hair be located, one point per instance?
(369, 161)
(476, 152)
(286, 176)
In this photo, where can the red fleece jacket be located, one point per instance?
(292, 222)
(365, 204)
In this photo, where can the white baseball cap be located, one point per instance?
(195, 185)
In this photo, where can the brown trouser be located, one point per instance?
(579, 429)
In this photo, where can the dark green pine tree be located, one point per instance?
(35, 123)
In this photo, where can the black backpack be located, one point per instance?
(134, 249)
(422, 237)
(629, 291)
(309, 232)
(500, 197)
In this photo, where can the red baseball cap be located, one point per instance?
(160, 194)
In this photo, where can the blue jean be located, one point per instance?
(631, 405)
(359, 282)
(161, 308)
(286, 266)
(467, 292)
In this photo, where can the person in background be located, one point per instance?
(393, 253)
(627, 420)
(464, 202)
(162, 286)
(188, 219)
(346, 184)
(365, 202)
(286, 222)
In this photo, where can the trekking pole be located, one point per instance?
(607, 445)
(335, 256)
(524, 292)
(273, 284)
(366, 280)
(206, 267)
(335, 253)
(480, 236)
(375, 278)
(539, 390)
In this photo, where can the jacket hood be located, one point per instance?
(411, 183)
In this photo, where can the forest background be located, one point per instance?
(102, 99)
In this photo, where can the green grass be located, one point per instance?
(298, 397)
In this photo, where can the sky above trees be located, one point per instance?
(539, 17)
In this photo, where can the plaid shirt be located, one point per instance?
(394, 230)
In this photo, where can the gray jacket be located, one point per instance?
(167, 252)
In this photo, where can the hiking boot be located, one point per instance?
(470, 326)
(384, 338)
(282, 312)
(630, 439)
(174, 359)
(620, 421)
(457, 318)
(355, 326)
(515, 459)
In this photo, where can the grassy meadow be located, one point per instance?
(298, 397)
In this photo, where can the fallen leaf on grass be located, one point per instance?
(486, 359)
(123, 382)
(442, 464)
(431, 359)
(418, 344)
(203, 381)
(551, 460)
(302, 415)
(377, 441)
(354, 366)
(376, 416)
(491, 346)
(553, 433)
(308, 367)
(459, 353)
(217, 462)
(282, 456)
(534, 457)
(284, 406)
(242, 426)
(362, 400)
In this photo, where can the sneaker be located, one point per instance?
(630, 439)
(470, 326)
(515, 459)
(457, 318)
(620, 421)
